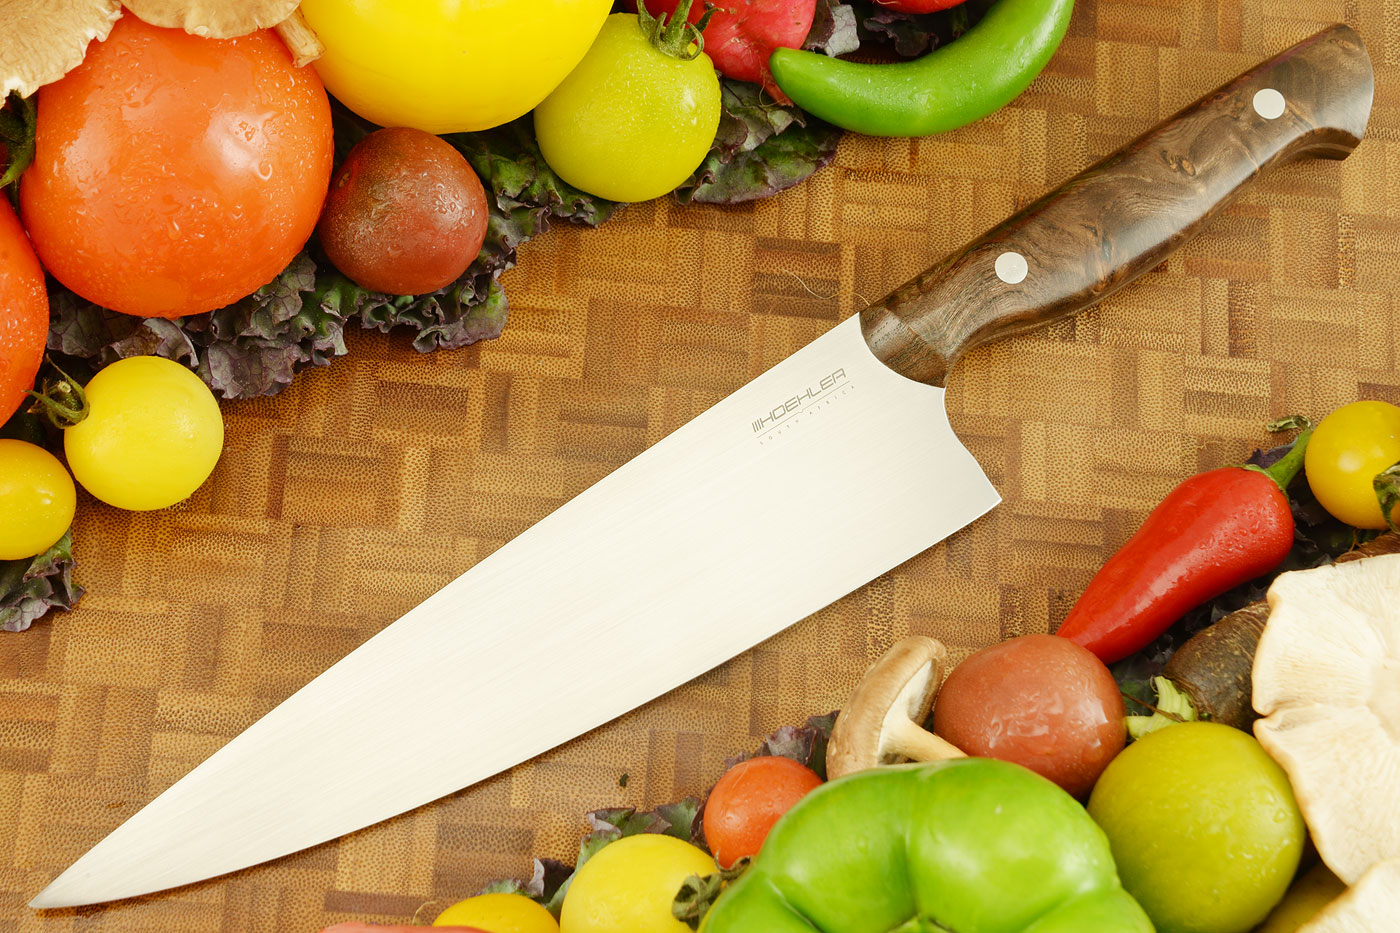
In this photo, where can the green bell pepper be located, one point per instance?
(968, 845)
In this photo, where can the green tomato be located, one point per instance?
(1347, 450)
(628, 886)
(152, 435)
(631, 122)
(37, 500)
(1203, 826)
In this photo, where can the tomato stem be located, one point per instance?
(63, 400)
(676, 36)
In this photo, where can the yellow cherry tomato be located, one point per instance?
(445, 66)
(629, 885)
(1347, 450)
(152, 435)
(632, 121)
(499, 913)
(37, 500)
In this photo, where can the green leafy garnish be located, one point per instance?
(30, 588)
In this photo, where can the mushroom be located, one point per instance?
(43, 40)
(213, 19)
(1327, 682)
(1371, 904)
(882, 722)
(219, 19)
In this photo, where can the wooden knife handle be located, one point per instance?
(1123, 216)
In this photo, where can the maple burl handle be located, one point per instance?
(1123, 216)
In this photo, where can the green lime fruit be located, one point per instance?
(1203, 826)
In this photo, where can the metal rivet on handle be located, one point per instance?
(1269, 104)
(1011, 267)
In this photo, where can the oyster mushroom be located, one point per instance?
(220, 19)
(213, 19)
(882, 723)
(1327, 682)
(1370, 905)
(43, 40)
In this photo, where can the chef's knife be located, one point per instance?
(825, 472)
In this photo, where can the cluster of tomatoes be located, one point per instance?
(174, 175)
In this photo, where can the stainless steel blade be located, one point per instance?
(818, 476)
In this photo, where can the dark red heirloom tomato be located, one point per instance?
(1040, 701)
(175, 174)
(405, 214)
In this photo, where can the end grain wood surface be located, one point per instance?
(367, 486)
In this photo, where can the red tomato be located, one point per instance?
(1040, 701)
(175, 174)
(748, 799)
(24, 313)
(405, 214)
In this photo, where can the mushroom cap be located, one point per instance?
(43, 40)
(213, 19)
(1370, 905)
(1327, 682)
(899, 687)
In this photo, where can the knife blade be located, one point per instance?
(828, 470)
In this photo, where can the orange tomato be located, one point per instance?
(748, 799)
(24, 313)
(175, 174)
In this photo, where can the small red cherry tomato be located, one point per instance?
(748, 799)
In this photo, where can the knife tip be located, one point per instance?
(58, 893)
(47, 900)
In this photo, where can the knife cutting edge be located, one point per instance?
(828, 470)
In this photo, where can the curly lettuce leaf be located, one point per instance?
(834, 30)
(18, 116)
(30, 588)
(762, 147)
(910, 35)
(252, 347)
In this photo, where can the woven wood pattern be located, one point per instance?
(367, 486)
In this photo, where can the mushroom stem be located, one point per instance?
(913, 742)
(300, 38)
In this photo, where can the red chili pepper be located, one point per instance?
(1211, 533)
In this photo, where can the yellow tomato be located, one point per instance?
(499, 913)
(449, 66)
(629, 885)
(1347, 450)
(152, 435)
(37, 499)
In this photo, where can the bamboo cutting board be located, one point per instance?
(365, 487)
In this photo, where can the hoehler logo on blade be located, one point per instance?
(823, 390)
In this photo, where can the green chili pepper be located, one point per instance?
(972, 845)
(977, 74)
